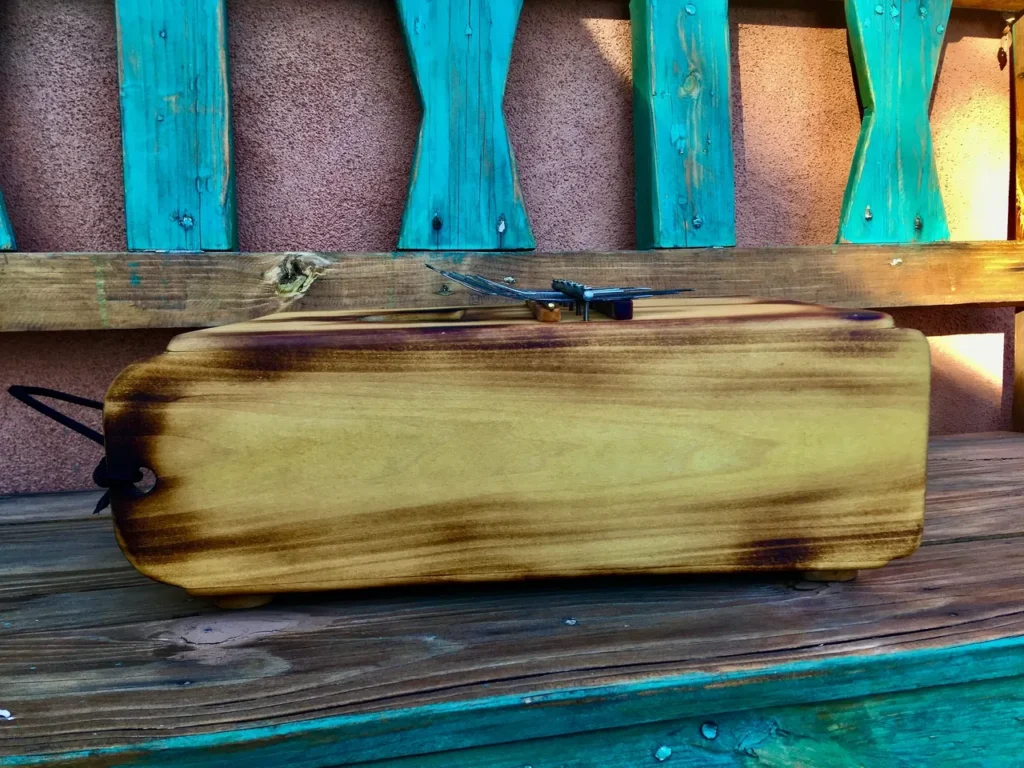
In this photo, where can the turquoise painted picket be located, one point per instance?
(176, 125)
(464, 191)
(681, 113)
(892, 195)
(6, 230)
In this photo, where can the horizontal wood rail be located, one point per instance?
(83, 291)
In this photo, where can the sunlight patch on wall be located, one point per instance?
(608, 35)
(971, 134)
(974, 360)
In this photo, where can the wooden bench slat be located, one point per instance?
(130, 666)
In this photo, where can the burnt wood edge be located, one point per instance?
(89, 291)
(494, 720)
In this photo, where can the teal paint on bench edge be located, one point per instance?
(464, 191)
(951, 726)
(685, 188)
(176, 125)
(893, 195)
(6, 230)
(348, 739)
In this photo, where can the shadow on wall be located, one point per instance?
(569, 109)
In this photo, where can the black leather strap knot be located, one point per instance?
(104, 476)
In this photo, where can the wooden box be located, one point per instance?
(315, 451)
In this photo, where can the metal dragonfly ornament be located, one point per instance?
(616, 303)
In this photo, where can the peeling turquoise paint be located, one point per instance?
(892, 195)
(464, 191)
(7, 242)
(685, 191)
(176, 125)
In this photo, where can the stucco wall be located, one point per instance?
(326, 117)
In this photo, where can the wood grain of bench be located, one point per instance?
(921, 662)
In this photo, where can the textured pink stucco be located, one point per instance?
(326, 119)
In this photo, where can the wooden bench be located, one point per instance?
(921, 662)
(918, 663)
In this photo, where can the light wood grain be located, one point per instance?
(79, 291)
(120, 668)
(311, 452)
(302, 328)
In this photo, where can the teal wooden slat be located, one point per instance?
(176, 125)
(6, 230)
(834, 683)
(685, 194)
(977, 724)
(892, 195)
(464, 191)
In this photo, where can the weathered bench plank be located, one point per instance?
(137, 674)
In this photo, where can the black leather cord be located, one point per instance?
(103, 476)
(28, 396)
